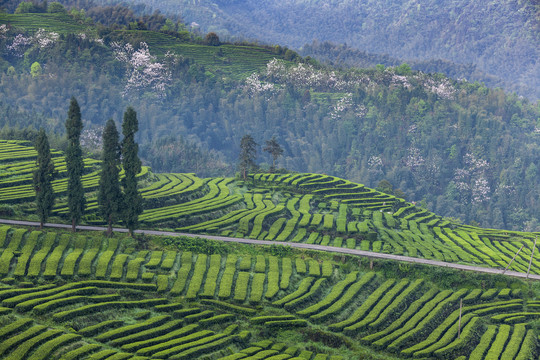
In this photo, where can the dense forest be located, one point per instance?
(499, 38)
(457, 148)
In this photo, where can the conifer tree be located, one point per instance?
(248, 152)
(273, 147)
(43, 177)
(110, 196)
(74, 164)
(132, 166)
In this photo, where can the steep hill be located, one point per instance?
(500, 38)
(462, 149)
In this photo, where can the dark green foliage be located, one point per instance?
(132, 166)
(43, 176)
(248, 153)
(74, 163)
(273, 147)
(110, 196)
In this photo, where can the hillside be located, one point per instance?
(460, 149)
(83, 296)
(500, 38)
(305, 208)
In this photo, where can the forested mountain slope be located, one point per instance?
(458, 148)
(501, 38)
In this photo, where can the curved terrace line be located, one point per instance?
(363, 253)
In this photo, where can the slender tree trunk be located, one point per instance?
(73, 227)
(109, 228)
(41, 225)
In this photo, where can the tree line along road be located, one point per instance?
(332, 249)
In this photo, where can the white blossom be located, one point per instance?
(144, 71)
(481, 190)
(19, 45)
(44, 39)
(375, 162)
(414, 159)
(254, 85)
(3, 31)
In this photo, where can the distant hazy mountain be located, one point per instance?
(499, 37)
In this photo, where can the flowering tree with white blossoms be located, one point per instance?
(471, 181)
(145, 73)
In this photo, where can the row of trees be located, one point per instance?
(116, 200)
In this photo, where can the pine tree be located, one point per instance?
(43, 177)
(110, 196)
(132, 166)
(248, 153)
(74, 164)
(273, 147)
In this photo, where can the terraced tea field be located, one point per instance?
(304, 208)
(67, 296)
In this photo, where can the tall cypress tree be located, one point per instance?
(132, 166)
(43, 177)
(109, 195)
(74, 164)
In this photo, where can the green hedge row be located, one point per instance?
(366, 306)
(7, 254)
(100, 327)
(183, 273)
(313, 291)
(211, 278)
(88, 309)
(399, 302)
(22, 261)
(22, 350)
(498, 344)
(528, 348)
(117, 271)
(169, 260)
(230, 307)
(286, 273)
(45, 351)
(226, 283)
(334, 294)
(81, 352)
(155, 260)
(418, 323)
(257, 287)
(157, 340)
(241, 288)
(134, 266)
(168, 350)
(205, 348)
(302, 289)
(467, 336)
(273, 277)
(286, 324)
(105, 258)
(199, 272)
(51, 267)
(68, 268)
(411, 317)
(85, 265)
(131, 329)
(16, 340)
(378, 308)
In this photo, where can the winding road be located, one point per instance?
(332, 249)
